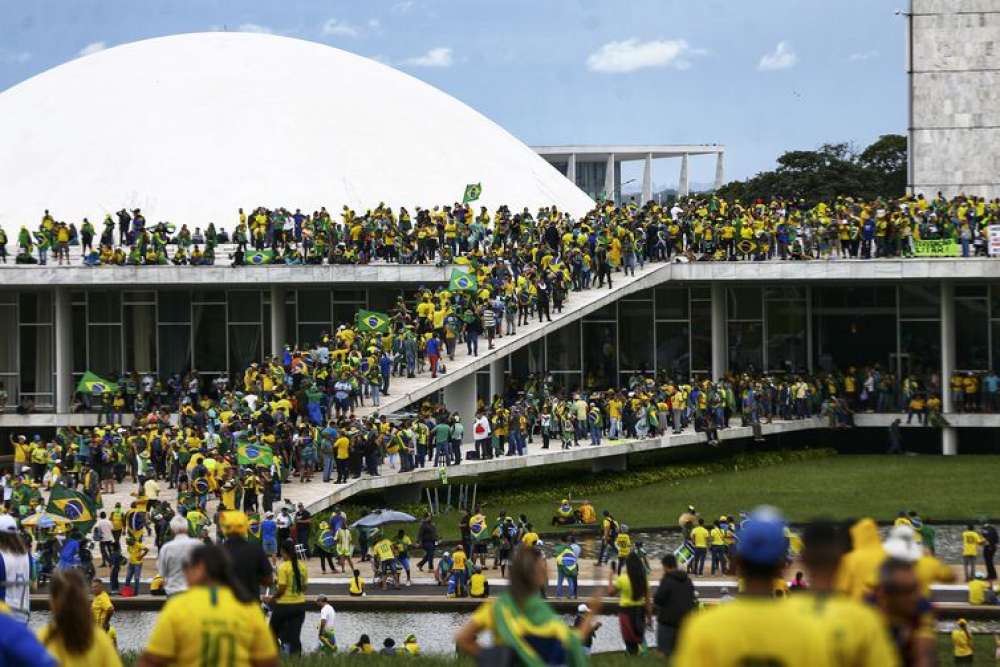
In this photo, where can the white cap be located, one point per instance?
(582, 609)
(7, 524)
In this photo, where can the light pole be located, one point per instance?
(622, 192)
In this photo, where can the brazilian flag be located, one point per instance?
(370, 320)
(259, 257)
(462, 282)
(91, 384)
(73, 505)
(472, 192)
(252, 454)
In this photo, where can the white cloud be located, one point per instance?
(781, 58)
(374, 24)
(93, 47)
(631, 54)
(15, 57)
(254, 27)
(403, 7)
(437, 57)
(863, 55)
(340, 28)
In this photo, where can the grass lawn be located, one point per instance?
(836, 487)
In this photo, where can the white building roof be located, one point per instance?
(191, 127)
(592, 152)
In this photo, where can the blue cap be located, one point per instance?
(761, 538)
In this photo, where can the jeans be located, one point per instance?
(969, 567)
(699, 560)
(570, 580)
(595, 435)
(718, 559)
(456, 451)
(133, 573)
(286, 624)
(666, 638)
(327, 467)
(615, 431)
(472, 342)
(428, 558)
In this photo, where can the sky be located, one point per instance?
(761, 77)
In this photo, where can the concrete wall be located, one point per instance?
(955, 134)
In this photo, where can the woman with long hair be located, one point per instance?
(215, 621)
(71, 636)
(15, 560)
(288, 604)
(525, 628)
(634, 602)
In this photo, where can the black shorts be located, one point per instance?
(479, 547)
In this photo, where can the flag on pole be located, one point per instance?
(252, 454)
(92, 384)
(462, 281)
(472, 192)
(72, 505)
(259, 257)
(371, 320)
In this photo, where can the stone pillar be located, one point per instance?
(609, 179)
(571, 168)
(647, 179)
(498, 371)
(949, 435)
(682, 182)
(720, 354)
(460, 397)
(64, 349)
(719, 170)
(279, 337)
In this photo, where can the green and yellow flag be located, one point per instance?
(73, 505)
(92, 383)
(462, 281)
(370, 320)
(253, 454)
(472, 192)
(259, 257)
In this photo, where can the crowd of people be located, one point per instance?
(699, 227)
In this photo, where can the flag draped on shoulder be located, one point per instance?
(472, 192)
(253, 454)
(370, 320)
(259, 257)
(91, 384)
(72, 505)
(462, 282)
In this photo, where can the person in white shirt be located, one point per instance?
(481, 434)
(104, 533)
(327, 637)
(174, 555)
(15, 569)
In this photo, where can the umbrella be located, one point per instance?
(379, 517)
(44, 520)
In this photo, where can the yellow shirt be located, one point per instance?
(623, 543)
(751, 631)
(101, 608)
(286, 577)
(699, 536)
(383, 549)
(970, 542)
(718, 537)
(343, 447)
(458, 560)
(854, 631)
(960, 642)
(135, 553)
(101, 653)
(977, 591)
(625, 593)
(210, 621)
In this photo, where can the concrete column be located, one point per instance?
(647, 179)
(498, 371)
(719, 170)
(64, 349)
(720, 354)
(460, 397)
(571, 168)
(609, 178)
(682, 182)
(949, 435)
(279, 337)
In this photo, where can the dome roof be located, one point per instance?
(191, 127)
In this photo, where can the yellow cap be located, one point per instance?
(234, 522)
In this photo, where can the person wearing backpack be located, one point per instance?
(609, 531)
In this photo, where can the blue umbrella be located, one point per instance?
(379, 517)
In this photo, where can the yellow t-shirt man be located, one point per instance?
(854, 631)
(970, 543)
(102, 608)
(699, 537)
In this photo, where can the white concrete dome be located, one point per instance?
(191, 127)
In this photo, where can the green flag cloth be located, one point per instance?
(472, 192)
(73, 505)
(259, 257)
(370, 320)
(252, 454)
(534, 630)
(91, 384)
(462, 281)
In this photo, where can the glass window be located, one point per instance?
(140, 338)
(701, 293)
(209, 296)
(920, 343)
(483, 386)
(784, 292)
(9, 298)
(671, 303)
(844, 340)
(608, 312)
(566, 383)
(919, 301)
(350, 295)
(701, 336)
(528, 360)
(79, 338)
(244, 306)
(310, 334)
(786, 335)
(210, 338)
(105, 345)
(746, 346)
(564, 348)
(104, 307)
(174, 349)
(971, 334)
(641, 295)
(244, 347)
(743, 303)
(35, 307)
(37, 360)
(139, 297)
(672, 348)
(971, 290)
(175, 306)
(344, 313)
(8, 339)
(864, 296)
(600, 355)
(995, 301)
(636, 335)
(314, 305)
